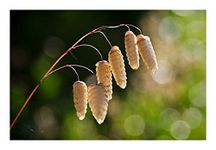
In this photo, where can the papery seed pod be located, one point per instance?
(147, 52)
(131, 50)
(80, 98)
(117, 66)
(104, 76)
(98, 101)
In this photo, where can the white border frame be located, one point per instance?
(5, 7)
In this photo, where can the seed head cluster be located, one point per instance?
(98, 95)
(104, 76)
(80, 98)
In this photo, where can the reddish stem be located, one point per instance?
(24, 105)
(46, 75)
(54, 64)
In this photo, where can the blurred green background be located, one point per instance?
(170, 105)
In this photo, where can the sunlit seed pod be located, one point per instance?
(117, 66)
(80, 98)
(131, 50)
(98, 101)
(104, 76)
(147, 52)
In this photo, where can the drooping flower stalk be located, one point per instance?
(69, 50)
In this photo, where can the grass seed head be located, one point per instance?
(104, 76)
(80, 98)
(131, 50)
(117, 66)
(98, 101)
(147, 52)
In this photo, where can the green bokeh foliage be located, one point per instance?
(146, 109)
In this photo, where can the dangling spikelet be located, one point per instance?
(104, 76)
(80, 98)
(117, 66)
(98, 101)
(131, 50)
(147, 52)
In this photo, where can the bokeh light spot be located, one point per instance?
(193, 116)
(164, 74)
(183, 13)
(53, 46)
(46, 122)
(167, 117)
(180, 130)
(134, 125)
(197, 94)
(170, 29)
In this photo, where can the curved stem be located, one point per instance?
(111, 27)
(24, 105)
(78, 78)
(72, 67)
(134, 27)
(127, 27)
(120, 25)
(89, 45)
(47, 74)
(81, 66)
(68, 50)
(105, 37)
(56, 62)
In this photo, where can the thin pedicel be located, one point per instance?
(89, 45)
(105, 37)
(51, 70)
(72, 67)
(48, 72)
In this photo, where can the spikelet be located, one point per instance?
(80, 98)
(104, 76)
(131, 50)
(117, 66)
(147, 52)
(98, 101)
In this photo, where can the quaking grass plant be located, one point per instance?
(99, 94)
